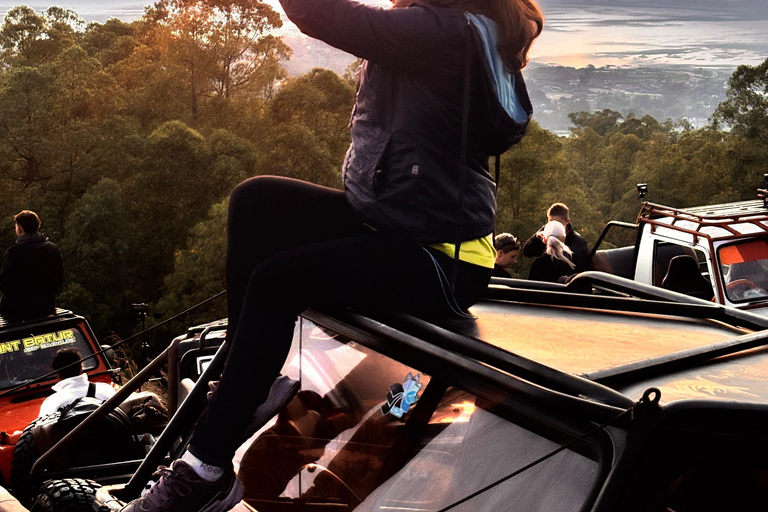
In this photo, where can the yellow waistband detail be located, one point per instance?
(477, 252)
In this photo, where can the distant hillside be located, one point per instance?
(556, 91)
(311, 53)
(675, 93)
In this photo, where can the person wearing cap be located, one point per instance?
(32, 272)
(507, 248)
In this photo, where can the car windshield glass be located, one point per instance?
(368, 433)
(24, 356)
(744, 267)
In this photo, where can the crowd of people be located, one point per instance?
(32, 269)
(559, 252)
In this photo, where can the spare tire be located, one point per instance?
(70, 495)
(24, 457)
(113, 439)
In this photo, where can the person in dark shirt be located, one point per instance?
(32, 272)
(507, 249)
(555, 264)
(536, 245)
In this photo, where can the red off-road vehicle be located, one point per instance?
(26, 352)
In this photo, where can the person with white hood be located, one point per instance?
(74, 383)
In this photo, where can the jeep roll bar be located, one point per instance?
(441, 361)
(613, 223)
(676, 361)
(638, 297)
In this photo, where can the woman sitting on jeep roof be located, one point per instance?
(439, 91)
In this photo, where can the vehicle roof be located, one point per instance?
(739, 377)
(582, 341)
(716, 222)
(596, 343)
(61, 314)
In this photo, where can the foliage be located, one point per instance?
(223, 47)
(310, 117)
(746, 106)
(31, 39)
(99, 257)
(198, 273)
(600, 122)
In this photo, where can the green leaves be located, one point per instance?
(746, 108)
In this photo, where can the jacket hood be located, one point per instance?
(33, 240)
(508, 106)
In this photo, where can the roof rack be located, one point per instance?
(60, 313)
(714, 222)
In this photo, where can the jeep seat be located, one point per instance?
(684, 276)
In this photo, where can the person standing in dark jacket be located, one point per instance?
(536, 245)
(32, 272)
(439, 91)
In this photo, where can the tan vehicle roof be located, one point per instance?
(580, 342)
(584, 342)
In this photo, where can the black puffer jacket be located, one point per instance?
(30, 278)
(402, 171)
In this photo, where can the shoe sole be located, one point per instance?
(229, 501)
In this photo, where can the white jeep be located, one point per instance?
(716, 253)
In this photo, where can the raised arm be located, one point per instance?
(402, 38)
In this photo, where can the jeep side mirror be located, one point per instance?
(109, 354)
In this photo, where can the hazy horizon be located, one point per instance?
(658, 33)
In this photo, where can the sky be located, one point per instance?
(699, 33)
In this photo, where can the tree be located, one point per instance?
(585, 153)
(618, 159)
(111, 42)
(50, 119)
(706, 171)
(309, 121)
(224, 45)
(643, 127)
(659, 166)
(102, 277)
(601, 121)
(155, 87)
(31, 39)
(27, 99)
(198, 271)
(746, 108)
(169, 193)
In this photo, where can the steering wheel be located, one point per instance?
(740, 288)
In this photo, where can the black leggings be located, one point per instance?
(293, 245)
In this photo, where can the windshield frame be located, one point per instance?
(44, 338)
(724, 271)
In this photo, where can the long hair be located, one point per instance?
(554, 234)
(519, 23)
